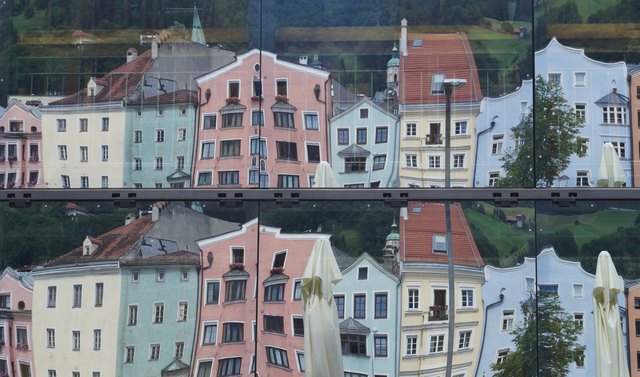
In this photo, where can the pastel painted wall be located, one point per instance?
(17, 286)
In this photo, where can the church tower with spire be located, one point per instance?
(390, 254)
(197, 34)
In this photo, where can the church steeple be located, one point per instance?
(197, 35)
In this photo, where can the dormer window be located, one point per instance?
(93, 89)
(88, 247)
(439, 244)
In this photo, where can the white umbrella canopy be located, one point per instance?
(610, 355)
(610, 172)
(325, 177)
(322, 351)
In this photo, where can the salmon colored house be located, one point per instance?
(262, 123)
(244, 308)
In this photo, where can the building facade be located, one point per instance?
(263, 123)
(16, 331)
(21, 146)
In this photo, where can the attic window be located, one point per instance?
(439, 244)
(416, 43)
(87, 250)
(437, 82)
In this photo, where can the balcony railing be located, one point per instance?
(432, 139)
(438, 313)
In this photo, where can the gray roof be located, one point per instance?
(613, 98)
(354, 150)
(343, 259)
(351, 326)
(276, 278)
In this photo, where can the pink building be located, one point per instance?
(20, 146)
(16, 347)
(290, 102)
(233, 291)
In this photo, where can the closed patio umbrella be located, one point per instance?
(610, 172)
(610, 355)
(322, 352)
(325, 177)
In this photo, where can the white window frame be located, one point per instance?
(212, 155)
(576, 83)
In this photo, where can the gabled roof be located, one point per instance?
(356, 106)
(343, 259)
(25, 278)
(351, 326)
(34, 111)
(178, 175)
(555, 45)
(175, 365)
(366, 257)
(118, 84)
(422, 220)
(354, 150)
(429, 54)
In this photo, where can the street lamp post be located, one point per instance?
(449, 85)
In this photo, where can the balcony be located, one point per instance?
(438, 313)
(432, 139)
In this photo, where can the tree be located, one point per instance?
(550, 133)
(546, 342)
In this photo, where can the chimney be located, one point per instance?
(303, 60)
(154, 50)
(132, 54)
(403, 37)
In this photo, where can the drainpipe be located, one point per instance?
(196, 135)
(196, 329)
(398, 338)
(484, 329)
(475, 157)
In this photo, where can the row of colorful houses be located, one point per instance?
(159, 297)
(184, 114)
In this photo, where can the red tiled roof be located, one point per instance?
(179, 96)
(118, 83)
(112, 245)
(448, 54)
(427, 219)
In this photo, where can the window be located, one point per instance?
(361, 136)
(339, 305)
(137, 136)
(300, 360)
(502, 355)
(97, 339)
(160, 275)
(75, 340)
(84, 182)
(359, 306)
(434, 162)
(313, 153)
(578, 290)
(437, 81)
(160, 112)
(182, 112)
(105, 152)
(51, 338)
(439, 244)
(229, 367)
(380, 345)
(458, 161)
(50, 372)
(287, 150)
(277, 356)
(105, 124)
(77, 296)
(496, 145)
(494, 178)
(281, 87)
(379, 162)
(343, 136)
(235, 290)
(310, 121)
(579, 319)
(411, 160)
(75, 374)
(233, 332)
(580, 78)
(583, 146)
(436, 343)
(154, 352)
(204, 369)
(298, 326)
(230, 148)
(381, 304)
(33, 178)
(412, 345)
(581, 111)
(207, 150)
(52, 292)
(62, 152)
(159, 163)
(84, 124)
(614, 115)
(62, 125)
(258, 147)
(229, 177)
(508, 317)
(283, 119)
(274, 323)
(460, 128)
(209, 121)
(620, 149)
(182, 311)
(274, 293)
(363, 273)
(582, 178)
(233, 89)
(555, 78)
(411, 129)
(279, 259)
(413, 302)
(231, 120)
(288, 181)
(178, 350)
(210, 334)
(382, 134)
(297, 296)
(34, 152)
(355, 164)
(135, 276)
(257, 118)
(133, 315)
(129, 354)
(467, 298)
(182, 134)
(353, 344)
(99, 293)
(137, 163)
(464, 339)
(180, 162)
(237, 255)
(158, 312)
